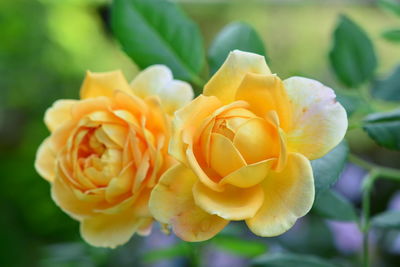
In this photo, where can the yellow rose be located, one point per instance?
(107, 151)
(244, 149)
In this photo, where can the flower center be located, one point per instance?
(90, 145)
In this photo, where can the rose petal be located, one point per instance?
(67, 200)
(114, 226)
(131, 103)
(157, 80)
(249, 175)
(172, 202)
(206, 178)
(156, 120)
(224, 157)
(87, 106)
(45, 162)
(145, 227)
(58, 113)
(103, 84)
(227, 79)
(149, 81)
(110, 230)
(120, 186)
(257, 140)
(187, 120)
(266, 93)
(175, 95)
(105, 117)
(288, 195)
(117, 133)
(319, 122)
(232, 204)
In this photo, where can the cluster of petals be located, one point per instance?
(107, 150)
(125, 154)
(244, 148)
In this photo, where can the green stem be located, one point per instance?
(382, 172)
(365, 224)
(374, 172)
(195, 255)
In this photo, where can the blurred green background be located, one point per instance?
(47, 45)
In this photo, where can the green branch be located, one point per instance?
(381, 172)
(365, 223)
(374, 172)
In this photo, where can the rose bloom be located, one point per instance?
(107, 150)
(244, 151)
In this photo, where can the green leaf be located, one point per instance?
(384, 128)
(392, 35)
(387, 220)
(388, 89)
(239, 246)
(352, 56)
(390, 5)
(328, 168)
(158, 32)
(287, 259)
(178, 250)
(331, 205)
(315, 237)
(237, 35)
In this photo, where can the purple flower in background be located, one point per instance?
(158, 240)
(349, 184)
(347, 236)
(223, 259)
(394, 203)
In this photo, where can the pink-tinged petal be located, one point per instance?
(227, 79)
(103, 84)
(58, 113)
(319, 121)
(45, 162)
(145, 226)
(172, 202)
(232, 204)
(288, 195)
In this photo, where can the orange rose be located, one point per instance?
(244, 149)
(107, 151)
